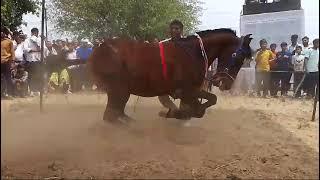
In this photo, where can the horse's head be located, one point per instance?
(230, 62)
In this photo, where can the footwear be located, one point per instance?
(34, 93)
(31, 94)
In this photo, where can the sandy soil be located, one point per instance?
(241, 137)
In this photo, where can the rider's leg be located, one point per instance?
(167, 103)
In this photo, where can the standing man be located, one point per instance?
(7, 57)
(273, 75)
(305, 44)
(33, 64)
(294, 44)
(50, 50)
(298, 67)
(83, 53)
(263, 58)
(19, 51)
(283, 63)
(312, 68)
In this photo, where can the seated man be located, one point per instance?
(59, 79)
(60, 82)
(176, 30)
(20, 81)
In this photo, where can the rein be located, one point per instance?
(204, 55)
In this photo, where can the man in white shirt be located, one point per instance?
(50, 50)
(33, 54)
(294, 44)
(15, 35)
(72, 53)
(312, 68)
(19, 50)
(298, 66)
(305, 44)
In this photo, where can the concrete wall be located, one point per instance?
(275, 27)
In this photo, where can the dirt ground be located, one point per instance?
(240, 137)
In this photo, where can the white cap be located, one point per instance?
(85, 41)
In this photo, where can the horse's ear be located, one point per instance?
(247, 37)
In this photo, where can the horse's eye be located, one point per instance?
(234, 54)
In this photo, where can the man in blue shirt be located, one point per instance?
(84, 51)
(283, 63)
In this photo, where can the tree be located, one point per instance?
(13, 10)
(141, 19)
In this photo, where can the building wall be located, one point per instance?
(275, 27)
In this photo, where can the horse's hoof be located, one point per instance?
(185, 118)
(122, 121)
(126, 119)
(199, 113)
(117, 122)
(162, 114)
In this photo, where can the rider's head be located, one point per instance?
(176, 29)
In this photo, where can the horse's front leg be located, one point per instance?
(211, 99)
(188, 105)
(200, 109)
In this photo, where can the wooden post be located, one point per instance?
(315, 102)
(42, 55)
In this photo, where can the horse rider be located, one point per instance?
(176, 31)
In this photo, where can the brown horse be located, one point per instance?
(127, 67)
(222, 80)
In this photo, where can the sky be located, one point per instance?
(216, 14)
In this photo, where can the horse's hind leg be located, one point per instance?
(118, 97)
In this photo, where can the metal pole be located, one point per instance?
(299, 85)
(46, 20)
(42, 55)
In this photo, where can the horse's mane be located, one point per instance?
(209, 32)
(203, 34)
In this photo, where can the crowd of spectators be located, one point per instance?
(275, 69)
(21, 64)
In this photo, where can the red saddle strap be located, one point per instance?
(163, 61)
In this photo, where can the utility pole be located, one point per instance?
(42, 55)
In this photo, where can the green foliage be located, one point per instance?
(141, 19)
(12, 11)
